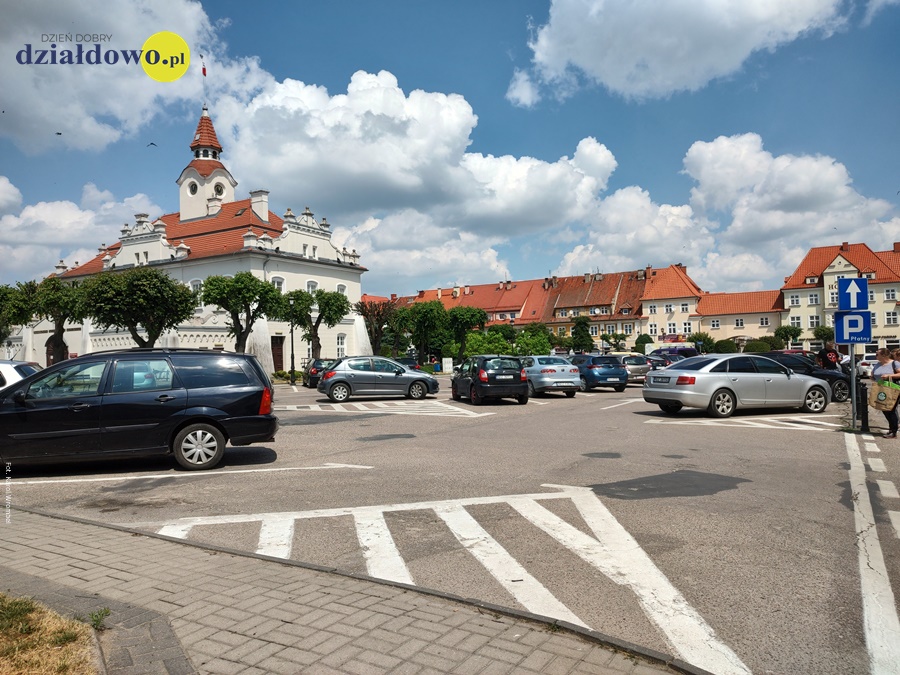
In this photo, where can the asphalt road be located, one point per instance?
(730, 542)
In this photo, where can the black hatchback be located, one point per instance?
(837, 379)
(126, 403)
(489, 376)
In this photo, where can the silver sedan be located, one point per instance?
(551, 373)
(721, 383)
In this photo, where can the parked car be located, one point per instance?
(636, 365)
(409, 362)
(658, 361)
(551, 373)
(374, 376)
(686, 352)
(722, 383)
(13, 371)
(313, 372)
(837, 380)
(486, 376)
(125, 403)
(866, 365)
(600, 371)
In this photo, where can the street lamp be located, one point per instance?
(293, 374)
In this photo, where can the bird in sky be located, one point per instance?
(153, 144)
(59, 133)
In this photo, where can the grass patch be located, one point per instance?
(37, 641)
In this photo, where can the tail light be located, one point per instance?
(313, 371)
(573, 370)
(593, 367)
(686, 379)
(483, 375)
(524, 377)
(265, 404)
(548, 370)
(329, 374)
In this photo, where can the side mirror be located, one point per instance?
(455, 369)
(19, 397)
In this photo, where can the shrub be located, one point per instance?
(773, 341)
(725, 347)
(756, 346)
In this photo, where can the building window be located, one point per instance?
(278, 283)
(668, 308)
(738, 323)
(890, 318)
(874, 318)
(197, 287)
(563, 313)
(512, 315)
(651, 309)
(625, 310)
(342, 289)
(833, 298)
(595, 331)
(811, 280)
(814, 298)
(561, 330)
(311, 287)
(341, 345)
(829, 320)
(502, 316)
(671, 328)
(628, 328)
(685, 307)
(795, 300)
(796, 322)
(686, 328)
(604, 310)
(315, 248)
(763, 321)
(305, 247)
(814, 321)
(594, 311)
(651, 329)
(869, 275)
(890, 293)
(714, 323)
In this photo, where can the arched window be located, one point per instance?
(206, 153)
(342, 289)
(312, 286)
(197, 286)
(341, 345)
(278, 283)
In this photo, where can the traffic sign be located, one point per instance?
(853, 294)
(852, 327)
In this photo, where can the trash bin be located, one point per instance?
(437, 367)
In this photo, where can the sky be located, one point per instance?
(472, 141)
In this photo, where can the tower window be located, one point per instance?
(206, 153)
(197, 154)
(215, 154)
(192, 188)
(219, 189)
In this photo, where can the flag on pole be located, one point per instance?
(203, 64)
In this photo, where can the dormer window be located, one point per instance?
(625, 310)
(869, 275)
(811, 280)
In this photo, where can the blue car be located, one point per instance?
(600, 371)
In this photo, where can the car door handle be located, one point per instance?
(165, 398)
(77, 407)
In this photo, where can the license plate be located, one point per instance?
(661, 380)
(504, 377)
(612, 379)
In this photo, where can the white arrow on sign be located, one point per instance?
(853, 323)
(853, 291)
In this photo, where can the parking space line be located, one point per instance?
(383, 560)
(876, 464)
(895, 521)
(616, 405)
(276, 535)
(888, 489)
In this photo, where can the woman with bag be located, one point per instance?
(888, 370)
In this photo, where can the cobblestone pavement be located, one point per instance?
(177, 607)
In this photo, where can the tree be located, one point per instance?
(491, 342)
(142, 297)
(245, 298)
(427, 318)
(376, 315)
(310, 311)
(773, 342)
(581, 334)
(615, 340)
(399, 324)
(641, 342)
(461, 320)
(824, 333)
(532, 343)
(756, 346)
(15, 307)
(788, 334)
(59, 302)
(704, 341)
(507, 331)
(536, 328)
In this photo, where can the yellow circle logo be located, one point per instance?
(165, 56)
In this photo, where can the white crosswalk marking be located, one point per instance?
(783, 422)
(427, 407)
(611, 550)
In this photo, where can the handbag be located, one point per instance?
(883, 395)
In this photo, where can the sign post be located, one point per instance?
(853, 325)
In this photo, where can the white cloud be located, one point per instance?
(648, 49)
(10, 196)
(522, 91)
(876, 6)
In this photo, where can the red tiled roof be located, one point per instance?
(205, 136)
(617, 290)
(753, 302)
(817, 260)
(511, 296)
(205, 167)
(365, 297)
(669, 282)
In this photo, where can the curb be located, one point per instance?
(551, 624)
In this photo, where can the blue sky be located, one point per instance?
(469, 142)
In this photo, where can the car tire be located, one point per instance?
(620, 388)
(454, 394)
(570, 394)
(339, 393)
(523, 399)
(722, 403)
(474, 397)
(198, 447)
(670, 408)
(418, 391)
(531, 390)
(840, 391)
(816, 400)
(584, 384)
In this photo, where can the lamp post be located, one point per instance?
(293, 374)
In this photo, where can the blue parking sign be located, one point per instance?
(852, 327)
(853, 294)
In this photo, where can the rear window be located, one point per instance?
(26, 369)
(606, 361)
(552, 361)
(694, 363)
(635, 360)
(502, 364)
(197, 372)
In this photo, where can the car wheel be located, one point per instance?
(584, 384)
(816, 400)
(339, 392)
(199, 446)
(531, 391)
(670, 408)
(454, 394)
(840, 391)
(417, 391)
(570, 394)
(474, 397)
(620, 388)
(722, 404)
(523, 399)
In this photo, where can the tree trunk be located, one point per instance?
(60, 351)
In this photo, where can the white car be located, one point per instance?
(866, 365)
(13, 371)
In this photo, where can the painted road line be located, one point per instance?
(880, 621)
(383, 560)
(876, 464)
(521, 585)
(895, 521)
(872, 447)
(276, 536)
(614, 552)
(888, 489)
(616, 405)
(196, 474)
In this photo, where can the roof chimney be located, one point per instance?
(587, 277)
(466, 290)
(393, 296)
(438, 293)
(508, 285)
(897, 247)
(421, 294)
(554, 281)
(259, 202)
(213, 205)
(250, 238)
(845, 246)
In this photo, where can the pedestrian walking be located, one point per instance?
(888, 370)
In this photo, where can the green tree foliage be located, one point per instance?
(536, 328)
(245, 298)
(581, 334)
(376, 315)
(7, 293)
(461, 320)
(310, 311)
(756, 346)
(705, 340)
(824, 333)
(788, 334)
(532, 343)
(616, 341)
(507, 331)
(139, 298)
(57, 301)
(397, 333)
(641, 342)
(773, 342)
(427, 318)
(724, 347)
(491, 342)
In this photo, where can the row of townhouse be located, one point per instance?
(666, 304)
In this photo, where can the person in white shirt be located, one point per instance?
(888, 370)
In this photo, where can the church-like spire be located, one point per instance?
(205, 137)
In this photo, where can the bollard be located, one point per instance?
(862, 406)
